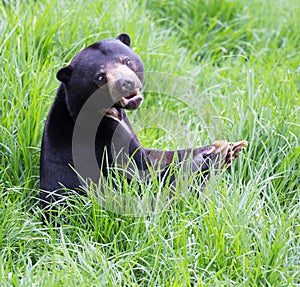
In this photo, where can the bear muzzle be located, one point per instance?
(133, 101)
(124, 87)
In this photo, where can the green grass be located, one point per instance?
(244, 229)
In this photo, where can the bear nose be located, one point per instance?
(126, 85)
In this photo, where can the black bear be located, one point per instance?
(111, 72)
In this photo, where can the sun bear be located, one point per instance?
(112, 72)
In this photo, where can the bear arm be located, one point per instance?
(197, 157)
(219, 155)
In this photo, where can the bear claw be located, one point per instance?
(229, 151)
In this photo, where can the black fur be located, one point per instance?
(91, 71)
(79, 82)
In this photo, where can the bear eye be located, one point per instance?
(128, 62)
(101, 77)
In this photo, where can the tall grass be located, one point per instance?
(242, 230)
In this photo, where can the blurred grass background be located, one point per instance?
(244, 57)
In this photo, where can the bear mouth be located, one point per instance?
(132, 101)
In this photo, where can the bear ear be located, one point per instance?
(124, 38)
(64, 74)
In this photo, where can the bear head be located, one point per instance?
(109, 66)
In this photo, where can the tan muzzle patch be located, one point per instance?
(124, 87)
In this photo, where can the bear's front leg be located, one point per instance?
(202, 159)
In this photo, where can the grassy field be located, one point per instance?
(244, 230)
